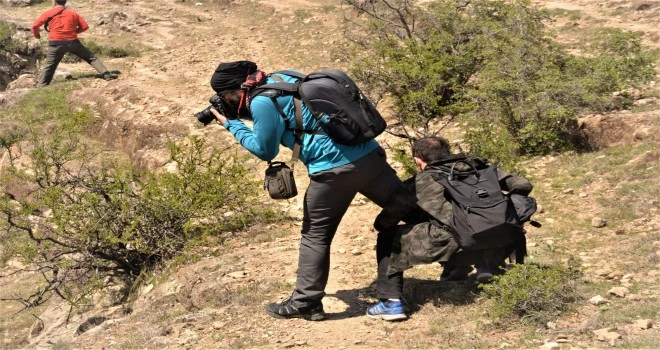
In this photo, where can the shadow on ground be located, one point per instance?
(417, 292)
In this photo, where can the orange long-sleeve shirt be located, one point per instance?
(63, 26)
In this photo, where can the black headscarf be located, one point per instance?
(230, 75)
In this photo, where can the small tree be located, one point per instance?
(85, 220)
(491, 63)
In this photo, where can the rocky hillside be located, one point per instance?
(600, 207)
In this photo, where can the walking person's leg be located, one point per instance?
(328, 197)
(325, 205)
(78, 49)
(53, 58)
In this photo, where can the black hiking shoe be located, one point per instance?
(455, 273)
(484, 275)
(108, 76)
(285, 309)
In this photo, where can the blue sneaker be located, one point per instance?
(388, 311)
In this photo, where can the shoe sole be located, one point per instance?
(313, 317)
(396, 317)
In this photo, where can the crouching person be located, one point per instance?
(425, 236)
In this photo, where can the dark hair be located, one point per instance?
(431, 149)
(60, 2)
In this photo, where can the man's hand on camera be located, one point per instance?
(219, 117)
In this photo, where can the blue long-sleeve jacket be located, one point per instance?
(269, 130)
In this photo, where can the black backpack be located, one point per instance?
(525, 208)
(483, 217)
(342, 112)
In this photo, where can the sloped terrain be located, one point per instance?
(217, 302)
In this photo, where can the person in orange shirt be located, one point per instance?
(63, 26)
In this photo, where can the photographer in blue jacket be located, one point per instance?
(337, 173)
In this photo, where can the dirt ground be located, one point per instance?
(218, 301)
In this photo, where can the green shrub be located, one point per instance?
(91, 218)
(533, 293)
(7, 45)
(402, 154)
(110, 51)
(494, 143)
(87, 219)
(6, 32)
(492, 65)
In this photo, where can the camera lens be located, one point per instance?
(205, 117)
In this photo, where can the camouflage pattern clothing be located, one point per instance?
(421, 203)
(425, 237)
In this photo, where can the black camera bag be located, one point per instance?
(279, 181)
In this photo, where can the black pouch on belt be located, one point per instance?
(279, 181)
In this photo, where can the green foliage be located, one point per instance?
(42, 106)
(111, 51)
(88, 219)
(403, 155)
(612, 60)
(533, 292)
(492, 142)
(492, 64)
(6, 32)
(7, 44)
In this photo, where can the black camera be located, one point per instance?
(205, 116)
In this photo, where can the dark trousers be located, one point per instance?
(387, 287)
(57, 52)
(327, 198)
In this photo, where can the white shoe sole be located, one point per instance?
(396, 317)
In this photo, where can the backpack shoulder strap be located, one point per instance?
(275, 90)
(297, 128)
(46, 28)
(291, 73)
(282, 88)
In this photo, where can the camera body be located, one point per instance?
(206, 117)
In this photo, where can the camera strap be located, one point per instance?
(297, 128)
(253, 80)
(280, 181)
